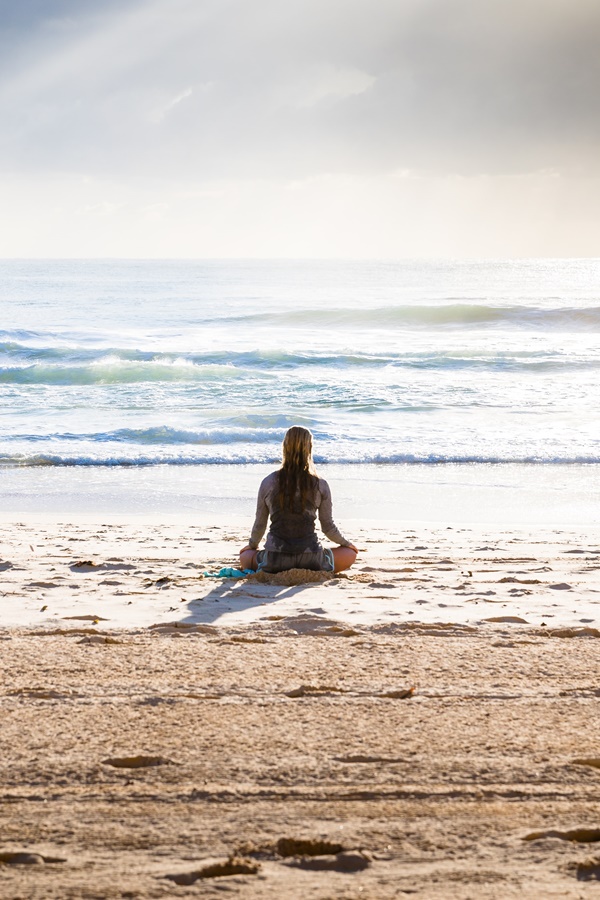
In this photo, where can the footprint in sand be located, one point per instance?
(99, 639)
(586, 631)
(514, 620)
(588, 870)
(90, 618)
(512, 580)
(307, 690)
(25, 858)
(88, 565)
(137, 762)
(293, 847)
(222, 869)
(347, 862)
(321, 856)
(39, 693)
(400, 694)
(360, 758)
(593, 761)
(578, 835)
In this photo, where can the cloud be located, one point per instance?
(300, 89)
(305, 128)
(160, 112)
(323, 83)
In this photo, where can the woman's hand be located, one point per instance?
(247, 547)
(352, 547)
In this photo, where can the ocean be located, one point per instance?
(191, 371)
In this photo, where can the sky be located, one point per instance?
(304, 128)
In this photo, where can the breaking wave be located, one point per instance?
(447, 315)
(274, 457)
(23, 365)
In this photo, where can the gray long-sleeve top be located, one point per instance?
(320, 503)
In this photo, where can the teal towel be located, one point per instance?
(229, 572)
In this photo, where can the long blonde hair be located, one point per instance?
(297, 472)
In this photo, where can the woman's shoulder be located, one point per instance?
(270, 481)
(323, 487)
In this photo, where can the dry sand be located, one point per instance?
(155, 723)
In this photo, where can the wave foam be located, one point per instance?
(273, 458)
(72, 367)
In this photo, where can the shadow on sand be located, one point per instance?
(237, 596)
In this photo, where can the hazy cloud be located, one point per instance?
(210, 89)
(299, 128)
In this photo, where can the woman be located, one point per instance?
(292, 497)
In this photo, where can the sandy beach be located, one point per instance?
(402, 729)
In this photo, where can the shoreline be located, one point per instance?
(473, 494)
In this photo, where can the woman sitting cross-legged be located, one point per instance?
(292, 496)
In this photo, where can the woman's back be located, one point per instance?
(295, 523)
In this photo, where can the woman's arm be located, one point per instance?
(328, 526)
(262, 514)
